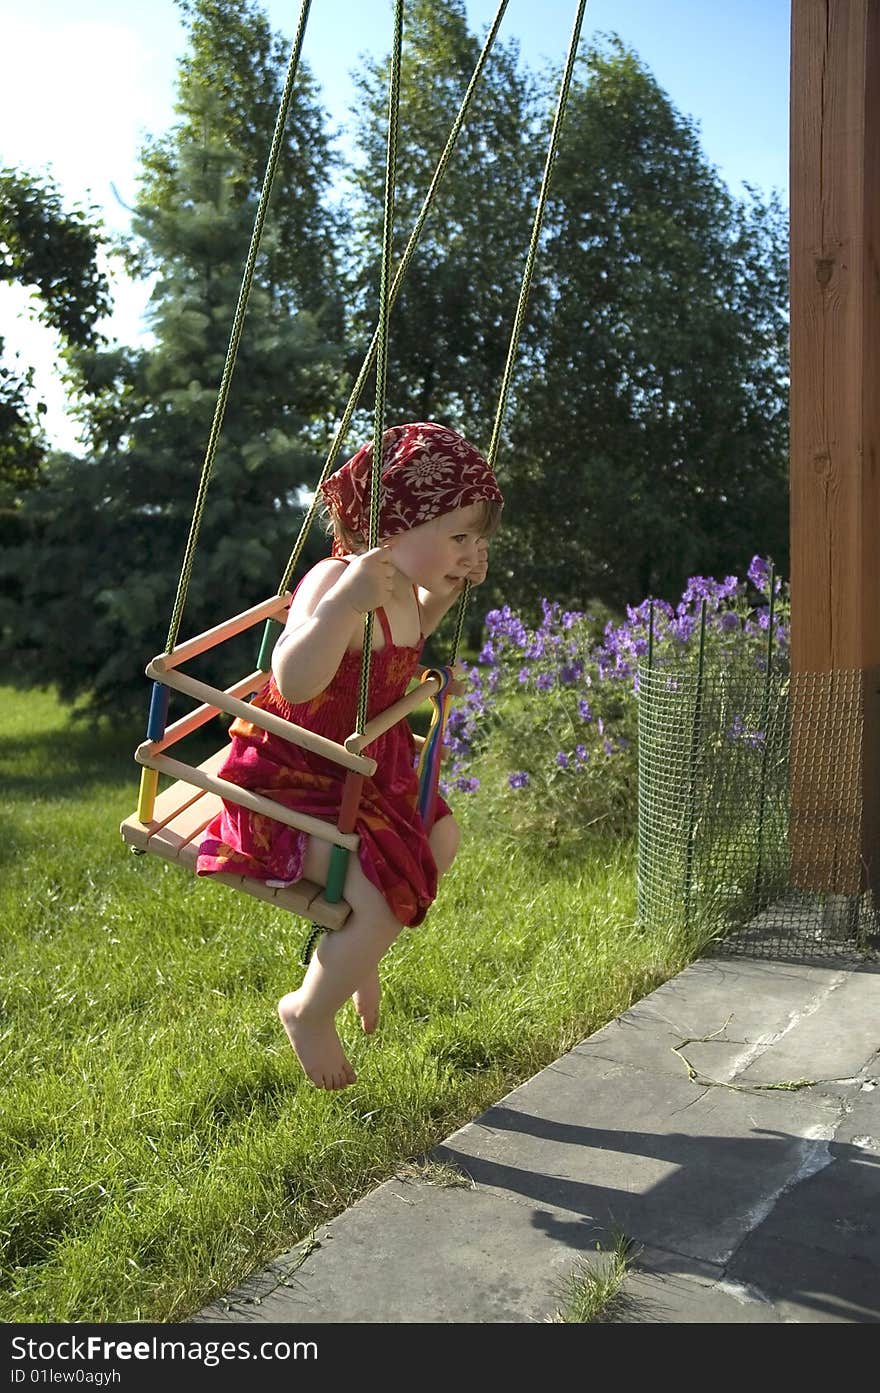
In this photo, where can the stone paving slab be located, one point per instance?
(662, 1295)
(808, 1043)
(672, 1165)
(745, 1203)
(806, 1284)
(817, 1253)
(416, 1252)
(861, 1122)
(751, 1007)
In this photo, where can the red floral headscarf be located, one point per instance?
(427, 470)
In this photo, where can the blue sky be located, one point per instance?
(82, 83)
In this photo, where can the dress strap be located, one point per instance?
(386, 627)
(419, 612)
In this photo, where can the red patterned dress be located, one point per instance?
(394, 852)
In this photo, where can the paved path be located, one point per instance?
(749, 1201)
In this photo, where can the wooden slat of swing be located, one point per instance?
(182, 813)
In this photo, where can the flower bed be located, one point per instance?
(549, 729)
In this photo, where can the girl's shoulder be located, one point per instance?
(315, 584)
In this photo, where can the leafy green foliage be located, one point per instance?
(452, 320)
(96, 568)
(646, 430)
(650, 436)
(234, 56)
(548, 730)
(53, 251)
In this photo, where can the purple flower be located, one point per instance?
(582, 754)
(585, 710)
(562, 759)
(570, 673)
(609, 747)
(519, 780)
(641, 614)
(701, 588)
(728, 621)
(467, 785)
(759, 573)
(682, 628)
(544, 682)
(503, 623)
(523, 676)
(600, 725)
(752, 739)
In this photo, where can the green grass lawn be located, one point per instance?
(158, 1140)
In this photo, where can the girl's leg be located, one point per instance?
(344, 963)
(349, 956)
(444, 839)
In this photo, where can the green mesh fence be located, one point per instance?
(750, 816)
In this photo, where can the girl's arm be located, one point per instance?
(326, 613)
(434, 606)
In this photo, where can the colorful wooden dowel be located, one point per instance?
(158, 717)
(271, 631)
(336, 874)
(351, 801)
(147, 794)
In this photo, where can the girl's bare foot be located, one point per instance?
(366, 1002)
(316, 1044)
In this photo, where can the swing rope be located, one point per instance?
(403, 267)
(382, 343)
(525, 286)
(378, 349)
(235, 335)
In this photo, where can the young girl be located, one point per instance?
(439, 504)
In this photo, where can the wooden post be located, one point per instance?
(835, 444)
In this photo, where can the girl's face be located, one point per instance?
(441, 553)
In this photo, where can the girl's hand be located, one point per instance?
(368, 580)
(478, 574)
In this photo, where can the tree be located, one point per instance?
(451, 323)
(234, 57)
(99, 566)
(650, 438)
(54, 251)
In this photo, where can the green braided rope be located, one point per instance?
(415, 235)
(308, 947)
(526, 284)
(382, 346)
(235, 336)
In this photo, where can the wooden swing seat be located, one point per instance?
(171, 824)
(175, 831)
